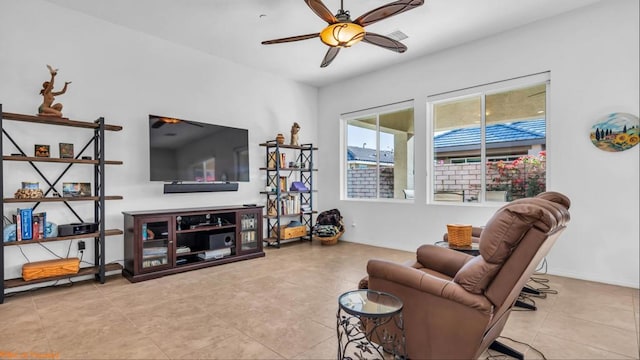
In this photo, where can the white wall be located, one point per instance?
(125, 76)
(593, 58)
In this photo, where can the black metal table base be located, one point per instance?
(355, 335)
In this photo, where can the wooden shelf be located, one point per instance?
(61, 199)
(11, 283)
(288, 192)
(52, 120)
(284, 146)
(110, 232)
(97, 160)
(59, 160)
(288, 169)
(205, 228)
(274, 240)
(289, 215)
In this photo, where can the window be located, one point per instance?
(489, 142)
(379, 152)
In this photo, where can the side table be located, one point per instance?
(363, 320)
(473, 249)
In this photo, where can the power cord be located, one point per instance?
(525, 298)
(502, 356)
(543, 287)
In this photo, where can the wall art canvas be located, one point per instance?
(73, 189)
(616, 132)
(66, 151)
(41, 150)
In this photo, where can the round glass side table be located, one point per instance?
(370, 322)
(473, 249)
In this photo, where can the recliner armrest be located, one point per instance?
(424, 282)
(442, 260)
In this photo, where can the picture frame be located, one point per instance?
(66, 151)
(41, 150)
(76, 189)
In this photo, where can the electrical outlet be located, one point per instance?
(81, 245)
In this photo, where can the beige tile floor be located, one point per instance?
(281, 306)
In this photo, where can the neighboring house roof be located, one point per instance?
(355, 153)
(527, 132)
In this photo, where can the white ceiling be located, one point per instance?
(234, 29)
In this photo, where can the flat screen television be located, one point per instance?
(190, 151)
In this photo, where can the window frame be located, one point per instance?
(482, 91)
(376, 112)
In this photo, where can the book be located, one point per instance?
(26, 219)
(39, 225)
(16, 220)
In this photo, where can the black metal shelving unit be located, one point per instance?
(303, 171)
(51, 194)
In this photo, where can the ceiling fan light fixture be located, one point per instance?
(342, 34)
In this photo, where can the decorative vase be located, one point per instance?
(280, 139)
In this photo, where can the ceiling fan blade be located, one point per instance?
(385, 42)
(331, 54)
(321, 10)
(157, 124)
(386, 11)
(292, 38)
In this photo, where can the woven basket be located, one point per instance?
(329, 240)
(459, 235)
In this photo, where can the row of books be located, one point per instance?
(290, 205)
(30, 225)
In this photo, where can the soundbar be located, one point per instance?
(199, 187)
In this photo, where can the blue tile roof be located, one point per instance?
(497, 133)
(364, 154)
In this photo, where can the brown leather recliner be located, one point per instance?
(456, 305)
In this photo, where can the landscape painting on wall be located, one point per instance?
(617, 132)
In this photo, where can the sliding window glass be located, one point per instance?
(379, 152)
(489, 142)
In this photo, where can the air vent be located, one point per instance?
(397, 35)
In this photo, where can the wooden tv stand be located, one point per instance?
(163, 242)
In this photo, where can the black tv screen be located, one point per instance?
(190, 151)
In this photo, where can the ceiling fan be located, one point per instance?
(344, 32)
(164, 120)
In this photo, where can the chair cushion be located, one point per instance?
(555, 197)
(498, 239)
(476, 275)
(507, 227)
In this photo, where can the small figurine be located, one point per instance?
(48, 108)
(294, 134)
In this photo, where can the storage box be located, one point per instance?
(50, 268)
(290, 232)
